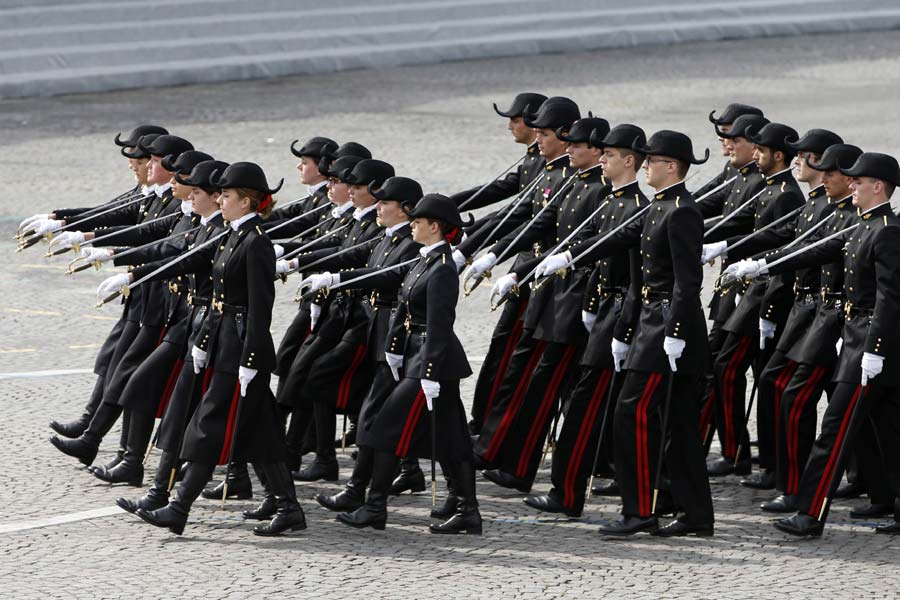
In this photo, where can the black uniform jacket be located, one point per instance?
(331, 232)
(670, 237)
(711, 206)
(74, 214)
(317, 199)
(871, 256)
(513, 183)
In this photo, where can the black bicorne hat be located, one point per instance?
(554, 113)
(774, 136)
(439, 207)
(243, 175)
(815, 141)
(742, 126)
(520, 103)
(164, 145)
(404, 190)
(340, 168)
(137, 151)
(671, 143)
(201, 174)
(347, 149)
(732, 112)
(583, 129)
(316, 147)
(369, 171)
(836, 157)
(875, 165)
(135, 135)
(621, 136)
(184, 162)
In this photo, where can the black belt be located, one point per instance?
(177, 288)
(648, 294)
(222, 307)
(855, 311)
(197, 300)
(826, 295)
(410, 326)
(806, 289)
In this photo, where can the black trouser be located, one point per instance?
(731, 364)
(708, 399)
(769, 400)
(637, 436)
(840, 425)
(573, 456)
(797, 389)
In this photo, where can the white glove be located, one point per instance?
(477, 268)
(42, 226)
(674, 347)
(395, 362)
(282, 266)
(66, 239)
(199, 357)
(460, 259)
(431, 389)
(112, 284)
(504, 284)
(24, 224)
(619, 351)
(279, 250)
(711, 251)
(588, 318)
(871, 366)
(752, 268)
(320, 280)
(553, 263)
(314, 312)
(839, 345)
(245, 376)
(766, 332)
(96, 254)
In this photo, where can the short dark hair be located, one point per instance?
(681, 167)
(888, 188)
(638, 157)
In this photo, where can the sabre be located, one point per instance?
(591, 248)
(606, 408)
(837, 473)
(319, 261)
(98, 263)
(556, 248)
(312, 242)
(300, 216)
(808, 232)
(126, 289)
(469, 289)
(715, 189)
(311, 294)
(485, 186)
(237, 421)
(771, 225)
(728, 217)
(433, 452)
(77, 247)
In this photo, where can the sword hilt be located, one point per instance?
(468, 289)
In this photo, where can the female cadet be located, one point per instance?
(237, 418)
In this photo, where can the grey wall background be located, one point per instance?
(50, 47)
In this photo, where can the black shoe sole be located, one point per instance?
(297, 527)
(468, 531)
(379, 525)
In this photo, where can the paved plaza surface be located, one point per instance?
(60, 535)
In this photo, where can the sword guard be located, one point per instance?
(76, 247)
(125, 291)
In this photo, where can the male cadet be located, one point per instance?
(867, 377)
(509, 326)
(817, 208)
(536, 234)
(554, 314)
(753, 328)
(666, 361)
(604, 299)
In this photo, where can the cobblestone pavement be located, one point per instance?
(433, 123)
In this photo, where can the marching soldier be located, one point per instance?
(288, 218)
(866, 377)
(604, 300)
(665, 362)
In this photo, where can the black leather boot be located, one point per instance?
(374, 512)
(174, 515)
(239, 484)
(411, 478)
(85, 447)
(116, 459)
(131, 469)
(73, 429)
(467, 518)
(289, 516)
(319, 471)
(354, 493)
(451, 503)
(269, 506)
(158, 495)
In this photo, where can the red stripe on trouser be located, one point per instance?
(515, 403)
(706, 415)
(584, 433)
(347, 378)
(534, 433)
(825, 482)
(793, 428)
(728, 395)
(162, 334)
(207, 378)
(642, 449)
(503, 366)
(170, 387)
(781, 382)
(230, 425)
(415, 412)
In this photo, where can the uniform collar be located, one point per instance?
(359, 213)
(591, 172)
(389, 231)
(817, 191)
(620, 191)
(559, 161)
(312, 189)
(338, 211)
(669, 192)
(844, 202)
(425, 250)
(236, 224)
(159, 190)
(186, 207)
(205, 220)
(533, 148)
(777, 177)
(750, 167)
(875, 211)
